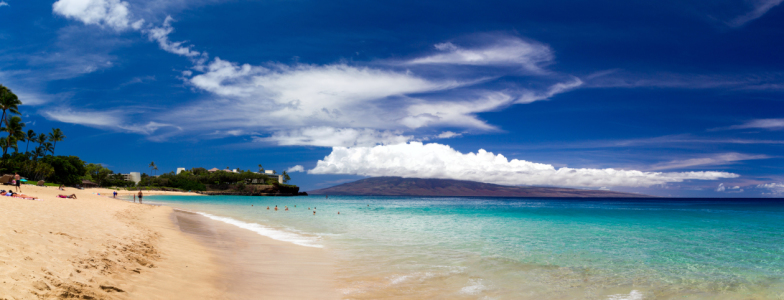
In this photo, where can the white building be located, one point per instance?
(136, 177)
(269, 172)
(180, 170)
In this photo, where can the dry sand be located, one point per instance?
(94, 247)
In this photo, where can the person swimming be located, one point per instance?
(287, 208)
(267, 207)
(314, 212)
(276, 208)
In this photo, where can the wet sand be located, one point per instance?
(258, 267)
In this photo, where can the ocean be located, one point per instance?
(511, 248)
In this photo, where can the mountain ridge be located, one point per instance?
(399, 186)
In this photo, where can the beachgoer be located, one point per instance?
(338, 212)
(18, 182)
(115, 194)
(61, 187)
(267, 207)
(72, 196)
(140, 197)
(134, 198)
(276, 208)
(314, 212)
(308, 208)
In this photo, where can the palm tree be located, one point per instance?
(14, 127)
(48, 148)
(41, 139)
(38, 152)
(152, 166)
(56, 136)
(9, 102)
(30, 137)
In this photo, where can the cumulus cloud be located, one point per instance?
(760, 7)
(714, 160)
(434, 160)
(729, 189)
(297, 168)
(503, 51)
(111, 13)
(3, 3)
(774, 188)
(329, 136)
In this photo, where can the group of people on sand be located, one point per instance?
(17, 183)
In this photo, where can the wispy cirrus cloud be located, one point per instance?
(712, 160)
(770, 124)
(759, 8)
(115, 120)
(492, 51)
(441, 161)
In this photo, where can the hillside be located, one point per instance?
(397, 186)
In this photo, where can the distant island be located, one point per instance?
(398, 186)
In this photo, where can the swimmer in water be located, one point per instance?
(267, 207)
(314, 212)
(287, 208)
(308, 208)
(338, 212)
(276, 208)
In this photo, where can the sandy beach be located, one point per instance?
(95, 247)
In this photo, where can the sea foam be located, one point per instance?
(269, 232)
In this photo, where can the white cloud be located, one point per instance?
(329, 136)
(441, 161)
(714, 160)
(297, 168)
(161, 35)
(3, 3)
(113, 120)
(111, 13)
(775, 188)
(760, 8)
(729, 189)
(448, 135)
(499, 51)
(772, 124)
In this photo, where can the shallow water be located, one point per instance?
(502, 248)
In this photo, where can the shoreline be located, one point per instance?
(94, 247)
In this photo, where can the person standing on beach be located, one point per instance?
(134, 198)
(140, 197)
(18, 182)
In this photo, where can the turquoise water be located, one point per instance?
(502, 248)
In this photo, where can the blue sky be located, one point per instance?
(672, 98)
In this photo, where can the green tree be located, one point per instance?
(41, 140)
(30, 137)
(97, 173)
(56, 136)
(48, 148)
(9, 102)
(286, 177)
(14, 127)
(68, 170)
